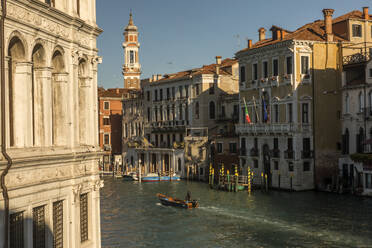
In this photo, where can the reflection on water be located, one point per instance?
(131, 216)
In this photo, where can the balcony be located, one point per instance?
(275, 153)
(259, 128)
(289, 154)
(107, 147)
(274, 81)
(254, 152)
(356, 58)
(287, 79)
(307, 154)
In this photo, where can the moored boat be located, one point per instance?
(170, 201)
(154, 177)
(132, 176)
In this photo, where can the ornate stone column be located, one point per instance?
(60, 110)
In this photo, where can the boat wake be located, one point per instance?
(324, 235)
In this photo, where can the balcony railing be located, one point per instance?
(265, 128)
(289, 154)
(275, 153)
(307, 154)
(254, 152)
(356, 58)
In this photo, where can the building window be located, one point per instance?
(212, 111)
(106, 105)
(255, 72)
(360, 105)
(211, 89)
(148, 114)
(357, 30)
(306, 166)
(368, 181)
(156, 95)
(360, 140)
(187, 91)
(106, 121)
(173, 92)
(276, 113)
(161, 94)
(38, 224)
(265, 69)
(289, 65)
(106, 139)
(347, 104)
(276, 165)
(181, 112)
(219, 147)
(242, 74)
(275, 67)
(131, 57)
(305, 113)
(148, 96)
(305, 65)
(58, 224)
(290, 112)
(255, 163)
(180, 91)
(290, 166)
(232, 147)
(197, 110)
(168, 93)
(16, 230)
(84, 217)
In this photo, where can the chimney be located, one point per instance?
(328, 23)
(218, 63)
(159, 76)
(278, 34)
(117, 91)
(365, 13)
(249, 44)
(218, 60)
(261, 34)
(284, 33)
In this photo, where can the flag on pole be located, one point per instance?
(255, 110)
(246, 112)
(265, 114)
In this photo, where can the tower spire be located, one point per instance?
(130, 18)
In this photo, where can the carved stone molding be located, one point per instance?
(77, 191)
(98, 185)
(37, 20)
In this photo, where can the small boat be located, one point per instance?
(132, 176)
(154, 177)
(170, 201)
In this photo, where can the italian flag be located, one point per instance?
(246, 112)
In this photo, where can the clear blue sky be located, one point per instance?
(176, 35)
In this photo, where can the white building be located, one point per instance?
(49, 126)
(355, 164)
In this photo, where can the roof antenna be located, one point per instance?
(237, 36)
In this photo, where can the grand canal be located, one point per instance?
(131, 216)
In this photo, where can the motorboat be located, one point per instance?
(174, 202)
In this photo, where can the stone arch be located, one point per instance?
(59, 96)
(16, 41)
(19, 100)
(41, 96)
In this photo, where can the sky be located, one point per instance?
(177, 35)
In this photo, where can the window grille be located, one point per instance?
(84, 217)
(58, 224)
(38, 231)
(16, 230)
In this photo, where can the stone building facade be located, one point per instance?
(291, 84)
(50, 149)
(110, 127)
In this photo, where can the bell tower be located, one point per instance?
(131, 67)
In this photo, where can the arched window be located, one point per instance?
(197, 110)
(347, 100)
(370, 100)
(212, 110)
(345, 142)
(360, 101)
(360, 140)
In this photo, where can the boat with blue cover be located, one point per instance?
(154, 177)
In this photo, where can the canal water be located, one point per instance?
(131, 216)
